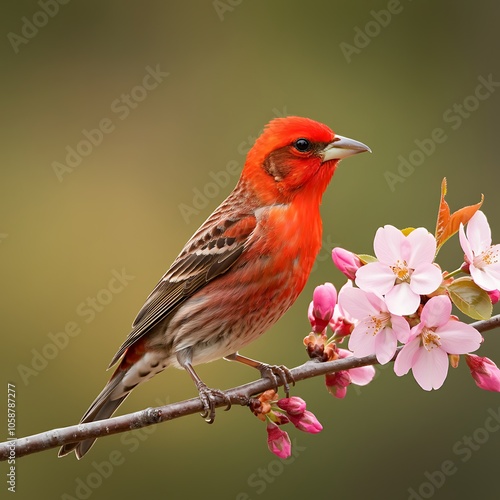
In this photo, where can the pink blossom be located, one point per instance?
(483, 257)
(342, 322)
(377, 330)
(278, 441)
(346, 262)
(359, 376)
(484, 371)
(430, 342)
(306, 422)
(404, 270)
(337, 383)
(293, 405)
(321, 308)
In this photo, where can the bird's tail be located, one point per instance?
(134, 368)
(103, 407)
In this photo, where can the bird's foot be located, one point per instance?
(209, 398)
(279, 375)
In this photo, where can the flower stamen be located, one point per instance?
(430, 339)
(402, 271)
(486, 258)
(378, 323)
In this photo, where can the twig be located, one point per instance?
(150, 416)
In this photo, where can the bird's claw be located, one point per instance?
(208, 398)
(279, 375)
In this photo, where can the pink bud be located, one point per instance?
(293, 405)
(346, 262)
(337, 383)
(306, 422)
(278, 441)
(494, 296)
(484, 371)
(321, 311)
(278, 418)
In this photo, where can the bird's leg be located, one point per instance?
(273, 372)
(208, 396)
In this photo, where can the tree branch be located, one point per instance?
(238, 395)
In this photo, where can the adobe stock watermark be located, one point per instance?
(259, 481)
(3, 237)
(31, 27)
(88, 310)
(325, 252)
(453, 118)
(463, 450)
(223, 6)
(220, 179)
(131, 440)
(121, 107)
(363, 36)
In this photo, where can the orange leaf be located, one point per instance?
(447, 225)
(443, 214)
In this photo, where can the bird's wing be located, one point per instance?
(213, 249)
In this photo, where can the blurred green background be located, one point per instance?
(233, 65)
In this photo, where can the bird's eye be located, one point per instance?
(302, 145)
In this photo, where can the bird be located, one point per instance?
(240, 271)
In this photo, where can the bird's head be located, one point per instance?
(296, 154)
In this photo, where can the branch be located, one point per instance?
(238, 395)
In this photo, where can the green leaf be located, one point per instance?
(366, 259)
(470, 298)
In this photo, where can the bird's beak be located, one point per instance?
(342, 147)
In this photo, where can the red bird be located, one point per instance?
(239, 273)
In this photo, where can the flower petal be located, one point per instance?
(430, 368)
(479, 232)
(488, 278)
(464, 243)
(385, 345)
(387, 244)
(362, 375)
(436, 312)
(341, 311)
(401, 328)
(362, 340)
(459, 338)
(425, 279)
(423, 247)
(358, 303)
(375, 277)
(402, 300)
(404, 361)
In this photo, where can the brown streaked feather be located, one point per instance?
(206, 259)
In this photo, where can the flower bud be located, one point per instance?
(293, 405)
(484, 371)
(494, 296)
(336, 383)
(306, 422)
(321, 309)
(278, 441)
(346, 262)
